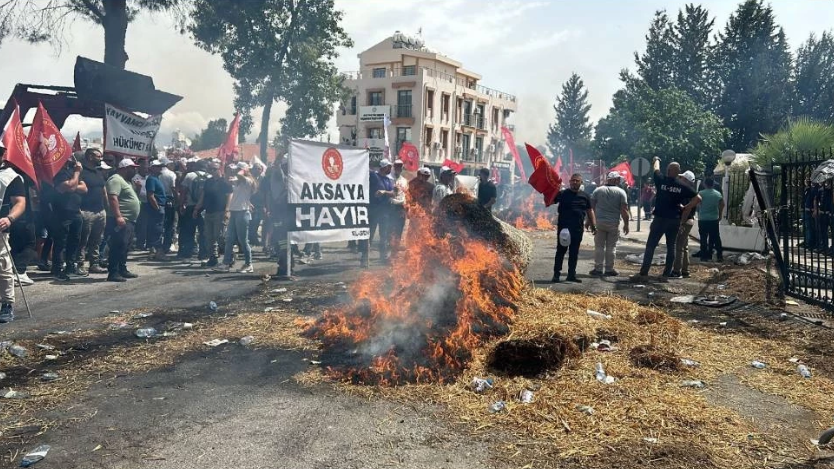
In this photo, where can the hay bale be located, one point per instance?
(460, 215)
(532, 356)
(649, 356)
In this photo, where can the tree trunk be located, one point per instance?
(115, 30)
(263, 139)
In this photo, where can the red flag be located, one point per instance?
(457, 167)
(76, 145)
(17, 149)
(508, 137)
(625, 171)
(229, 147)
(410, 157)
(495, 175)
(49, 149)
(544, 179)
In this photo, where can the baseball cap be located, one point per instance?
(424, 171)
(158, 163)
(105, 166)
(385, 163)
(564, 237)
(689, 176)
(127, 163)
(239, 165)
(164, 160)
(398, 161)
(614, 175)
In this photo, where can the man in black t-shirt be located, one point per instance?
(66, 217)
(574, 206)
(668, 206)
(214, 199)
(93, 215)
(487, 192)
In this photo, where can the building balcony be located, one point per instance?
(402, 111)
(474, 120)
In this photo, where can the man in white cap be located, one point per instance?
(445, 187)
(610, 204)
(240, 215)
(420, 189)
(680, 269)
(124, 211)
(398, 204)
(379, 210)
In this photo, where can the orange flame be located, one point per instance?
(531, 214)
(420, 319)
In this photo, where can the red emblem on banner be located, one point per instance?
(332, 164)
(409, 156)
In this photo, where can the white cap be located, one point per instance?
(564, 237)
(614, 175)
(424, 171)
(689, 176)
(384, 163)
(158, 162)
(239, 165)
(444, 168)
(104, 166)
(127, 163)
(164, 160)
(398, 161)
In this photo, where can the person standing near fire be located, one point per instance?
(610, 203)
(575, 210)
(398, 205)
(487, 192)
(379, 211)
(445, 187)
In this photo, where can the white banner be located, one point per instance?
(328, 192)
(128, 134)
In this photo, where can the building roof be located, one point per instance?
(247, 152)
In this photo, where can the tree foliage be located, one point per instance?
(656, 64)
(277, 51)
(815, 78)
(211, 137)
(46, 20)
(802, 136)
(572, 129)
(754, 72)
(666, 122)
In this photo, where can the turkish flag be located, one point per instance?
(625, 171)
(544, 179)
(76, 145)
(17, 149)
(229, 147)
(456, 167)
(410, 157)
(49, 149)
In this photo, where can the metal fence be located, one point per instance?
(802, 219)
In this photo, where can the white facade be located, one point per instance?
(432, 101)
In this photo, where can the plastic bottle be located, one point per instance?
(480, 385)
(526, 396)
(497, 407)
(758, 365)
(50, 376)
(804, 371)
(18, 351)
(212, 306)
(145, 333)
(35, 455)
(689, 362)
(245, 341)
(600, 373)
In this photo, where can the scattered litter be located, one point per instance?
(212, 306)
(269, 309)
(98, 447)
(693, 384)
(658, 259)
(279, 290)
(480, 385)
(689, 362)
(187, 325)
(603, 346)
(722, 324)
(2, 376)
(815, 442)
(5, 345)
(60, 332)
(721, 287)
(784, 316)
(50, 376)
(585, 409)
(791, 303)
(683, 299)
(714, 301)
(18, 351)
(793, 360)
(650, 440)
(245, 341)
(34, 456)
(638, 287)
(315, 362)
(497, 407)
(650, 295)
(45, 346)
(161, 398)
(51, 357)
(601, 376)
(713, 270)
(758, 365)
(749, 257)
(269, 301)
(597, 314)
(12, 394)
(142, 315)
(287, 300)
(693, 321)
(115, 312)
(804, 371)
(145, 333)
(826, 437)
(526, 396)
(216, 342)
(119, 325)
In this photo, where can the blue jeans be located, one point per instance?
(238, 233)
(661, 227)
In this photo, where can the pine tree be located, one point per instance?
(692, 53)
(815, 78)
(572, 129)
(754, 73)
(656, 65)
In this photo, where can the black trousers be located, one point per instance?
(23, 244)
(119, 246)
(66, 236)
(710, 239)
(572, 250)
(170, 220)
(661, 227)
(379, 217)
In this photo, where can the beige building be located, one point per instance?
(432, 101)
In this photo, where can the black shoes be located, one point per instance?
(573, 279)
(128, 274)
(555, 279)
(596, 273)
(611, 273)
(116, 278)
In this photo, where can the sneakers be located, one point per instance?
(82, 272)
(555, 279)
(675, 275)
(45, 267)
(60, 275)
(595, 272)
(222, 268)
(6, 313)
(116, 278)
(24, 280)
(246, 269)
(212, 262)
(611, 273)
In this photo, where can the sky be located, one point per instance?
(523, 47)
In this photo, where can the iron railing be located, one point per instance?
(402, 110)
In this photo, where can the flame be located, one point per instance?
(420, 319)
(530, 214)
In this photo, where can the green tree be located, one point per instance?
(655, 66)
(572, 129)
(801, 137)
(693, 51)
(667, 123)
(277, 50)
(815, 78)
(212, 136)
(754, 73)
(46, 20)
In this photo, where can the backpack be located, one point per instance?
(197, 188)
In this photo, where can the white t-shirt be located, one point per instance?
(168, 179)
(143, 193)
(241, 194)
(440, 191)
(402, 184)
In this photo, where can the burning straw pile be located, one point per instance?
(453, 288)
(529, 213)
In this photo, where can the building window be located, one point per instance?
(444, 103)
(403, 135)
(479, 149)
(353, 105)
(404, 103)
(429, 135)
(409, 70)
(375, 98)
(444, 140)
(430, 103)
(466, 143)
(375, 132)
(379, 73)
